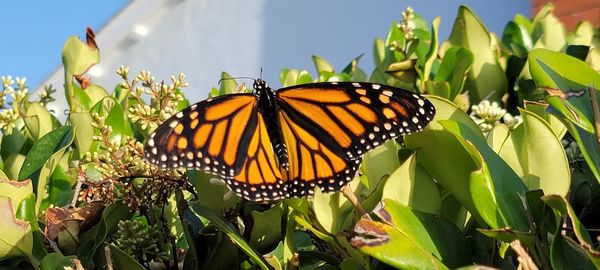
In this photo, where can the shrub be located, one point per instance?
(507, 174)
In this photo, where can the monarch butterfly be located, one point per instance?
(269, 145)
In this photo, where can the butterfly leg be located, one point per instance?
(349, 194)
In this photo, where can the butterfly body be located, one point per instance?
(269, 145)
(267, 105)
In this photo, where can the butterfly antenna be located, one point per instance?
(260, 77)
(235, 78)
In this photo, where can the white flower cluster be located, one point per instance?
(488, 114)
(9, 108)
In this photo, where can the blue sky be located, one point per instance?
(34, 31)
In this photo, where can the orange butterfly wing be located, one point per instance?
(328, 126)
(225, 136)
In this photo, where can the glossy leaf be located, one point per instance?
(39, 121)
(43, 158)
(266, 229)
(379, 162)
(486, 78)
(453, 174)
(322, 65)
(454, 69)
(410, 185)
(16, 190)
(548, 32)
(332, 210)
(122, 260)
(567, 74)
(540, 109)
(228, 84)
(15, 238)
(405, 238)
(534, 152)
(433, 51)
(78, 57)
(55, 260)
(516, 38)
(82, 121)
(494, 185)
(116, 118)
(12, 144)
(92, 239)
(233, 234)
(563, 209)
(212, 192)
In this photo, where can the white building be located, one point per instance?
(202, 38)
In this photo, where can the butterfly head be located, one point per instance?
(260, 85)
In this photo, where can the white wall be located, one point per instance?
(204, 37)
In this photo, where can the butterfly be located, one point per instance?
(269, 145)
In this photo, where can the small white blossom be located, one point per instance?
(512, 121)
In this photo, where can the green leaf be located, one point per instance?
(78, 57)
(27, 212)
(584, 34)
(486, 79)
(92, 239)
(494, 186)
(96, 93)
(517, 39)
(13, 164)
(291, 77)
(594, 58)
(43, 158)
(540, 109)
(453, 174)
(381, 161)
(405, 238)
(15, 238)
(17, 191)
(122, 260)
(378, 51)
(440, 89)
(565, 253)
(355, 72)
(411, 186)
(568, 74)
(433, 50)
(12, 144)
(565, 73)
(322, 65)
(231, 232)
(524, 22)
(534, 152)
(60, 192)
(563, 209)
(212, 191)
(228, 84)
(266, 230)
(57, 261)
(82, 121)
(548, 32)
(117, 119)
(454, 69)
(39, 121)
